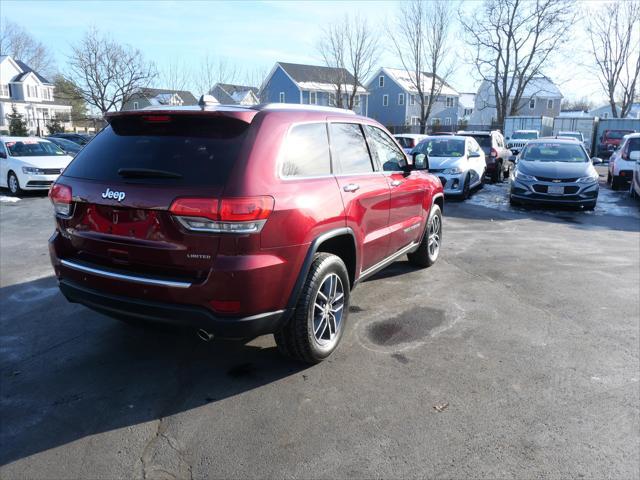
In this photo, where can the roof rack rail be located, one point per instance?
(298, 106)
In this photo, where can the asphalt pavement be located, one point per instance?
(516, 355)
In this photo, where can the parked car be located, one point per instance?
(577, 135)
(520, 138)
(556, 171)
(621, 165)
(610, 141)
(30, 163)
(67, 146)
(240, 221)
(79, 138)
(458, 162)
(634, 189)
(409, 140)
(496, 153)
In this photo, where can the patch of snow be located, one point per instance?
(6, 199)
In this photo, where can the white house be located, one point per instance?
(540, 97)
(466, 103)
(230, 94)
(32, 95)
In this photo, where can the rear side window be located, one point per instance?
(186, 150)
(634, 145)
(306, 151)
(349, 148)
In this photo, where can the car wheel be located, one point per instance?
(608, 178)
(316, 327)
(590, 206)
(513, 202)
(14, 184)
(466, 189)
(429, 248)
(498, 175)
(615, 184)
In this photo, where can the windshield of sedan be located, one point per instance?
(525, 135)
(33, 148)
(442, 147)
(554, 152)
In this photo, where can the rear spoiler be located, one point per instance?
(243, 114)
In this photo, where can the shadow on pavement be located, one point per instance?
(85, 373)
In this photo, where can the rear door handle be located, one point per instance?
(396, 183)
(351, 187)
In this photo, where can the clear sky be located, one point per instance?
(252, 34)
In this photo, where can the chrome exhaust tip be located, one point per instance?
(204, 335)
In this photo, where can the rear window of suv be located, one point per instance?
(185, 150)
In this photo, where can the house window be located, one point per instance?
(412, 99)
(549, 104)
(356, 102)
(401, 99)
(447, 121)
(332, 99)
(385, 100)
(135, 105)
(606, 115)
(4, 90)
(381, 81)
(415, 121)
(532, 103)
(449, 101)
(435, 121)
(313, 98)
(281, 97)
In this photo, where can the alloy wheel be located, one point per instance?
(433, 242)
(13, 184)
(328, 309)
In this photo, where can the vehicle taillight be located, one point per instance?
(229, 215)
(494, 152)
(60, 196)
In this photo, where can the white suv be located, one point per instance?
(621, 165)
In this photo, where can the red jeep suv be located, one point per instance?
(240, 221)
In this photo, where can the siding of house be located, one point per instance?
(280, 82)
(393, 114)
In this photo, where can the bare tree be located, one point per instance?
(420, 38)
(583, 104)
(214, 70)
(19, 44)
(106, 73)
(175, 75)
(614, 32)
(512, 41)
(352, 48)
(255, 76)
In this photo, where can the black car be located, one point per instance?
(78, 138)
(555, 171)
(69, 147)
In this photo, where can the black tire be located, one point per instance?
(298, 337)
(608, 177)
(425, 256)
(466, 188)
(498, 175)
(590, 206)
(513, 202)
(13, 184)
(615, 183)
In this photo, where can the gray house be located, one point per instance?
(229, 94)
(158, 96)
(541, 97)
(394, 100)
(605, 111)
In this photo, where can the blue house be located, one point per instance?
(394, 102)
(605, 111)
(311, 85)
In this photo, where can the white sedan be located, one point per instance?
(621, 165)
(30, 163)
(457, 161)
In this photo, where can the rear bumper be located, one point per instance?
(172, 313)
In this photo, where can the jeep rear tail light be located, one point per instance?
(494, 152)
(229, 215)
(60, 196)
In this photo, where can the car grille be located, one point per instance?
(52, 171)
(569, 190)
(556, 180)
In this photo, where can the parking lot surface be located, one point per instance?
(516, 355)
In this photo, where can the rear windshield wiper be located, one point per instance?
(147, 173)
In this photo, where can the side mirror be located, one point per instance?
(635, 155)
(597, 161)
(420, 161)
(3, 155)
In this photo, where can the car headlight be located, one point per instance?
(590, 179)
(523, 176)
(452, 171)
(32, 171)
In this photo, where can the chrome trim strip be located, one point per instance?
(383, 263)
(128, 278)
